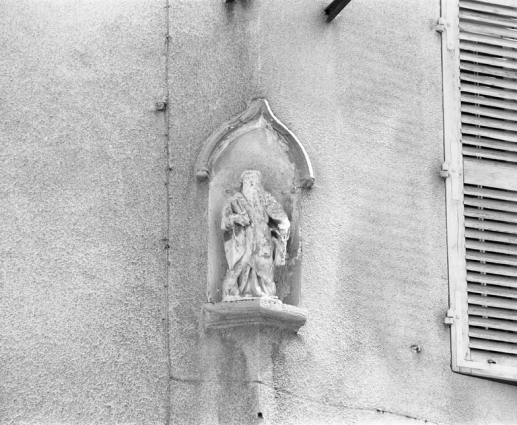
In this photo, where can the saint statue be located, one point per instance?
(256, 232)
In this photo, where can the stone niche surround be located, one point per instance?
(255, 140)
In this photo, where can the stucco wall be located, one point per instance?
(363, 94)
(83, 217)
(83, 212)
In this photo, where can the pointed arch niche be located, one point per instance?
(255, 140)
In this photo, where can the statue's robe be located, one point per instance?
(253, 251)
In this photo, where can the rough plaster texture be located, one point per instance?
(363, 94)
(82, 212)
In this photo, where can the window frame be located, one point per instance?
(452, 169)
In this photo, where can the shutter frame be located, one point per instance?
(465, 360)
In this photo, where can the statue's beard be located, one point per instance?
(255, 196)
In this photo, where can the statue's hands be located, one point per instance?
(241, 220)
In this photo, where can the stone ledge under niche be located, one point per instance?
(254, 311)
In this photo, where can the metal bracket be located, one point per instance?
(161, 106)
(449, 318)
(444, 172)
(440, 27)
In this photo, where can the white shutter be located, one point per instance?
(483, 242)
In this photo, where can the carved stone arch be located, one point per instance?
(220, 140)
(257, 140)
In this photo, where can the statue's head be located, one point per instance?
(252, 177)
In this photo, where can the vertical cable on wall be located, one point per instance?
(167, 185)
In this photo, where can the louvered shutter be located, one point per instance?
(482, 191)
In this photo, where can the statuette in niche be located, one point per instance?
(256, 230)
(254, 261)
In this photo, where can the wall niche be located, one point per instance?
(256, 169)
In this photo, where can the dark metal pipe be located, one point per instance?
(333, 9)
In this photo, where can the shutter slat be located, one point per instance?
(492, 269)
(490, 19)
(492, 280)
(492, 247)
(490, 225)
(490, 236)
(489, 112)
(493, 323)
(487, 50)
(487, 60)
(488, 173)
(500, 347)
(488, 81)
(507, 3)
(492, 290)
(493, 335)
(490, 215)
(479, 100)
(490, 193)
(489, 143)
(491, 204)
(489, 8)
(483, 48)
(493, 312)
(494, 134)
(489, 154)
(496, 41)
(492, 258)
(487, 122)
(489, 70)
(492, 302)
(502, 94)
(486, 29)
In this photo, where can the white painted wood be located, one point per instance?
(492, 302)
(493, 335)
(493, 312)
(489, 112)
(453, 185)
(474, 223)
(489, 7)
(488, 60)
(494, 346)
(492, 280)
(487, 30)
(490, 215)
(496, 155)
(497, 291)
(489, 81)
(490, 193)
(488, 18)
(488, 122)
(497, 41)
(492, 258)
(492, 247)
(509, 3)
(492, 269)
(501, 94)
(492, 371)
(490, 138)
(492, 323)
(483, 48)
(492, 174)
(491, 204)
(504, 104)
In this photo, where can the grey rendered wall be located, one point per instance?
(364, 96)
(82, 212)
